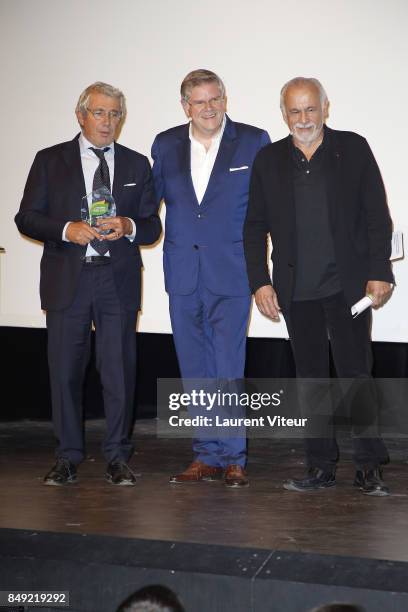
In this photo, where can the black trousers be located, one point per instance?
(309, 324)
(69, 335)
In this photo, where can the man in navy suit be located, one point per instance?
(90, 278)
(201, 170)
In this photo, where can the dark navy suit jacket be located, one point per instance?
(206, 239)
(52, 196)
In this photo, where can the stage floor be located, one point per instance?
(339, 521)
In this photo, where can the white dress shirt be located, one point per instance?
(202, 161)
(90, 162)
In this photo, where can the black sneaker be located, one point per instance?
(64, 472)
(371, 482)
(119, 473)
(314, 480)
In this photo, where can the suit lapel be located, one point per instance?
(332, 173)
(74, 178)
(286, 196)
(119, 177)
(183, 158)
(285, 170)
(222, 162)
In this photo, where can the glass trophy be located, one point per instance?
(98, 204)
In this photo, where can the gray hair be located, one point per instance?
(198, 77)
(302, 81)
(100, 88)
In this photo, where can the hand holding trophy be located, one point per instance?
(98, 204)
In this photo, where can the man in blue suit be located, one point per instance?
(201, 170)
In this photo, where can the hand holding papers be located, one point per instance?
(361, 305)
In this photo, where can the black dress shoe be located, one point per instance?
(371, 482)
(64, 472)
(314, 480)
(119, 473)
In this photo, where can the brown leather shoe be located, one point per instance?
(197, 471)
(235, 477)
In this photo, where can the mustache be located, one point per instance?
(310, 124)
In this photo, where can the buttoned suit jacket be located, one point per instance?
(358, 214)
(206, 239)
(52, 196)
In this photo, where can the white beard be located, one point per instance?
(307, 138)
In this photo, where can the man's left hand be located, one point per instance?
(121, 226)
(379, 291)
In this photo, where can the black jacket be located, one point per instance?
(358, 213)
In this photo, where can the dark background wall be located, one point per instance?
(25, 385)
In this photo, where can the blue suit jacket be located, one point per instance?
(206, 238)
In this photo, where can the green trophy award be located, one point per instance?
(98, 204)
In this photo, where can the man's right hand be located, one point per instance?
(267, 302)
(81, 233)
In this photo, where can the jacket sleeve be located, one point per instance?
(157, 170)
(265, 139)
(256, 231)
(379, 224)
(148, 224)
(33, 218)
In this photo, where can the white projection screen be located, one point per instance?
(52, 49)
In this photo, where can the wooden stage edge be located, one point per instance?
(259, 549)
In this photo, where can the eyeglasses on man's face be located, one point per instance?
(201, 104)
(100, 114)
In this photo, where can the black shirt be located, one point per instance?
(316, 271)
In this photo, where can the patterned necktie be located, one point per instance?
(101, 176)
(101, 179)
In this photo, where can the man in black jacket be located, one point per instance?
(320, 196)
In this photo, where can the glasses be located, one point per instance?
(100, 114)
(201, 104)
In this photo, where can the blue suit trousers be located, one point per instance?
(210, 337)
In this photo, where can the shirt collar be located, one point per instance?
(216, 139)
(85, 145)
